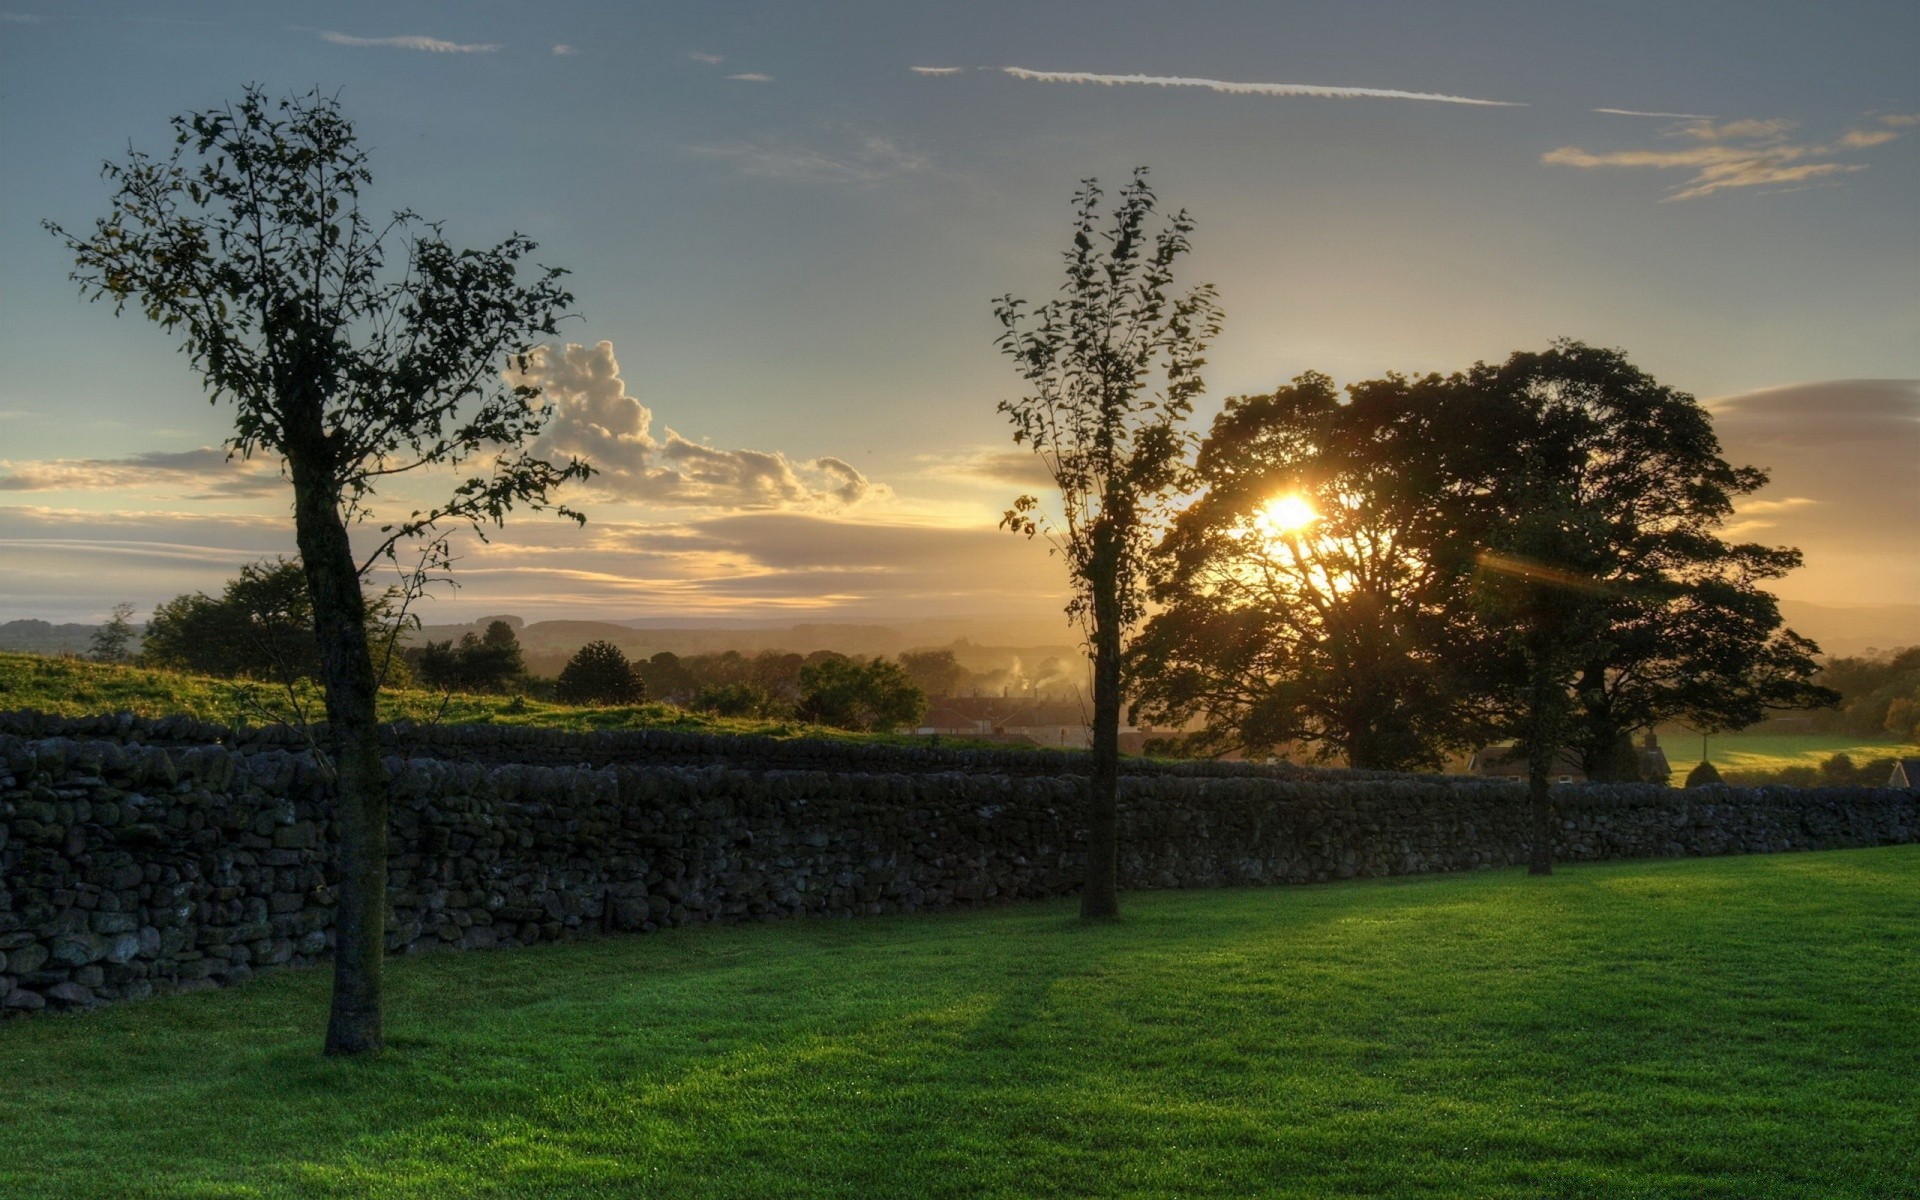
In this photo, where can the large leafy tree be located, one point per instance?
(1112, 366)
(1318, 590)
(1685, 630)
(358, 350)
(873, 695)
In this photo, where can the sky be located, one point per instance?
(786, 226)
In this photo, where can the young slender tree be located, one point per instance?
(357, 351)
(1113, 367)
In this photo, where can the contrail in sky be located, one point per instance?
(1629, 112)
(1249, 89)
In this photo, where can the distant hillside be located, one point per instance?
(41, 637)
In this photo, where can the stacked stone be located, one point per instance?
(129, 868)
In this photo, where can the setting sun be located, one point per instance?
(1285, 514)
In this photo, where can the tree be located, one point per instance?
(1317, 591)
(489, 662)
(1114, 367)
(1625, 605)
(260, 627)
(874, 696)
(249, 242)
(935, 672)
(112, 641)
(599, 673)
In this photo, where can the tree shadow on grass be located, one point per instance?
(1483, 1036)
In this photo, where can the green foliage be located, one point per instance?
(113, 641)
(1717, 1028)
(599, 673)
(1878, 695)
(489, 662)
(1837, 770)
(261, 627)
(1673, 622)
(848, 693)
(1353, 633)
(729, 699)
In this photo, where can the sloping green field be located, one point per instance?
(74, 687)
(1694, 1028)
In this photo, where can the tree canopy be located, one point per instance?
(359, 351)
(1112, 367)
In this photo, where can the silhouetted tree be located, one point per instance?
(1318, 590)
(874, 695)
(487, 662)
(260, 627)
(599, 673)
(249, 241)
(937, 672)
(112, 642)
(1114, 367)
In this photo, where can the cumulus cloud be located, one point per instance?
(411, 42)
(203, 474)
(857, 158)
(1845, 460)
(1736, 154)
(594, 418)
(1248, 89)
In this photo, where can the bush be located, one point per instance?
(599, 673)
(1704, 775)
(877, 696)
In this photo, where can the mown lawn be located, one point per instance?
(1695, 1028)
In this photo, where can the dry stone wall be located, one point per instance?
(130, 865)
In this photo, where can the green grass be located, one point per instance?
(1776, 751)
(1694, 1028)
(75, 687)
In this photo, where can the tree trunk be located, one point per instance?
(360, 806)
(1100, 891)
(1543, 749)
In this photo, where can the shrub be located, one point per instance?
(599, 673)
(847, 693)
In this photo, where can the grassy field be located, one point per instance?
(1775, 751)
(1692, 1028)
(75, 687)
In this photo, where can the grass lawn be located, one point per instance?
(1740, 1027)
(1775, 751)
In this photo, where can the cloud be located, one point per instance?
(712, 60)
(861, 158)
(562, 49)
(752, 77)
(595, 419)
(1735, 154)
(1705, 130)
(1248, 89)
(412, 42)
(1634, 112)
(937, 70)
(1900, 120)
(989, 467)
(207, 473)
(62, 562)
(1844, 456)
